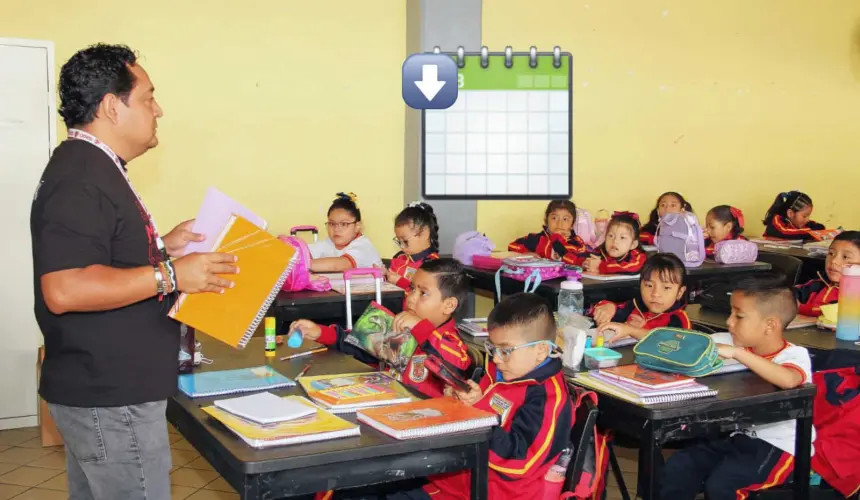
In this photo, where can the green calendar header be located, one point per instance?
(520, 76)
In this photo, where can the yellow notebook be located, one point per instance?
(319, 426)
(348, 392)
(264, 264)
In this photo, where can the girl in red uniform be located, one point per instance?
(723, 222)
(557, 240)
(669, 202)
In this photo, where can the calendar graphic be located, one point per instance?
(509, 133)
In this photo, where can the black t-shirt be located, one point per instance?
(85, 213)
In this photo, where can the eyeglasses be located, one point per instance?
(401, 243)
(504, 353)
(339, 225)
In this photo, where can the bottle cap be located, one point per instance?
(571, 285)
(295, 339)
(851, 270)
(269, 323)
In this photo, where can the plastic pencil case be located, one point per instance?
(675, 350)
(601, 357)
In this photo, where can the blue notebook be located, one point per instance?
(260, 378)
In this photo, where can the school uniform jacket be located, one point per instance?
(536, 417)
(443, 341)
(406, 265)
(814, 294)
(675, 317)
(780, 227)
(710, 246)
(631, 263)
(646, 235)
(552, 246)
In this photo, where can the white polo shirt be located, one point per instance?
(360, 252)
(780, 434)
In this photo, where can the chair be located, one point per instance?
(475, 355)
(783, 264)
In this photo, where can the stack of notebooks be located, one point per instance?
(476, 327)
(643, 386)
(264, 419)
(350, 392)
(430, 417)
(217, 383)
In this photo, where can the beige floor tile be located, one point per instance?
(15, 437)
(180, 492)
(171, 429)
(28, 476)
(59, 483)
(4, 447)
(4, 468)
(182, 445)
(43, 494)
(55, 460)
(194, 478)
(213, 495)
(8, 491)
(174, 438)
(180, 457)
(219, 484)
(22, 456)
(199, 463)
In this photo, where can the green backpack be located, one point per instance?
(678, 351)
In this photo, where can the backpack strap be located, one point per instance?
(534, 280)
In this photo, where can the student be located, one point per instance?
(525, 386)
(723, 222)
(557, 241)
(660, 301)
(438, 289)
(345, 248)
(844, 250)
(669, 202)
(619, 253)
(417, 234)
(753, 457)
(788, 217)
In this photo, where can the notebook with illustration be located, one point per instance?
(215, 383)
(610, 277)
(374, 333)
(264, 408)
(213, 215)
(429, 417)
(616, 389)
(233, 316)
(801, 321)
(651, 379)
(320, 425)
(346, 393)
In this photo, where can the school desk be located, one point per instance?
(297, 470)
(327, 307)
(811, 263)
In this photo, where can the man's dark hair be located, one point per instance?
(667, 266)
(91, 74)
(451, 278)
(526, 310)
(772, 296)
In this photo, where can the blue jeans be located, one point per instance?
(115, 453)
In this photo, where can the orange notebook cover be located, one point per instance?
(264, 264)
(429, 417)
(644, 377)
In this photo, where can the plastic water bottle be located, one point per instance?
(848, 323)
(571, 302)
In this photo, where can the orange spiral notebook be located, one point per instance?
(264, 264)
(429, 417)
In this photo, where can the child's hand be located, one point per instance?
(592, 264)
(636, 321)
(473, 396)
(726, 351)
(391, 277)
(621, 330)
(604, 313)
(405, 320)
(309, 329)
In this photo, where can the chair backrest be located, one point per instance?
(786, 265)
(583, 430)
(476, 355)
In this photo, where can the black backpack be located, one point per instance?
(717, 297)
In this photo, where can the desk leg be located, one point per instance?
(481, 471)
(650, 459)
(802, 451)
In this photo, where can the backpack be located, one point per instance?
(601, 224)
(532, 271)
(680, 234)
(584, 228)
(675, 350)
(300, 277)
(592, 480)
(471, 244)
(717, 297)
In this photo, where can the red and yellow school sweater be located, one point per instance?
(675, 317)
(710, 246)
(536, 417)
(815, 293)
(442, 341)
(552, 246)
(630, 263)
(406, 265)
(780, 227)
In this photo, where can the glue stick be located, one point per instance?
(271, 344)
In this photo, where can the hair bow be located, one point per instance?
(737, 214)
(348, 196)
(632, 215)
(415, 204)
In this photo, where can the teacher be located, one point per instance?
(104, 281)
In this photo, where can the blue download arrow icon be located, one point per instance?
(429, 81)
(429, 84)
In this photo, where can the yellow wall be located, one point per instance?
(757, 97)
(279, 103)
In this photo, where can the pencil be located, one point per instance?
(306, 353)
(304, 370)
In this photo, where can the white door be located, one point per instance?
(27, 137)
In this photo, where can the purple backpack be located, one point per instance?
(472, 243)
(300, 277)
(735, 252)
(680, 234)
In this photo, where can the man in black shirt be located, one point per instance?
(104, 281)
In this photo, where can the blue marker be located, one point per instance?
(295, 339)
(588, 342)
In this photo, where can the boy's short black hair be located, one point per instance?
(450, 277)
(527, 310)
(667, 266)
(772, 296)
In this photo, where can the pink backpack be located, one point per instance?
(680, 234)
(532, 271)
(601, 224)
(735, 252)
(584, 228)
(300, 278)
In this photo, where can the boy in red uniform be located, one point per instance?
(845, 250)
(437, 290)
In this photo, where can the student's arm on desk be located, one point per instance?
(332, 264)
(778, 375)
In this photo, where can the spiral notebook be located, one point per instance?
(264, 264)
(508, 134)
(636, 395)
(348, 392)
(216, 383)
(214, 213)
(429, 417)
